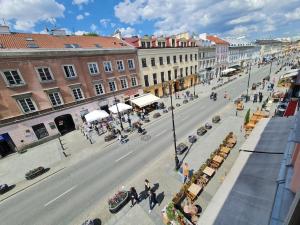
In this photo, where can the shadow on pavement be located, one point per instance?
(160, 197)
(186, 153)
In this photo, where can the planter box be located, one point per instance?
(120, 203)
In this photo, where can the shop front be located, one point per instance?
(7, 145)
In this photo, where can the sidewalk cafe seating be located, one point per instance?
(231, 142)
(209, 171)
(217, 160)
(193, 191)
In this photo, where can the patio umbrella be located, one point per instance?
(96, 115)
(121, 107)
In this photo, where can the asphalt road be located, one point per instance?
(59, 199)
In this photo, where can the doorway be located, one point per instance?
(7, 146)
(40, 131)
(64, 123)
(156, 92)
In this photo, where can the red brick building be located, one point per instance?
(48, 82)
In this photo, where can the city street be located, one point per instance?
(60, 198)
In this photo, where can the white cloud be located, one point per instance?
(215, 16)
(80, 2)
(79, 17)
(295, 15)
(93, 28)
(104, 22)
(24, 14)
(80, 32)
(86, 13)
(113, 25)
(127, 32)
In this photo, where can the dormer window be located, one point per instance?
(98, 46)
(32, 45)
(72, 46)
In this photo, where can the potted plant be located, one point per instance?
(118, 201)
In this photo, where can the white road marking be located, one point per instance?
(124, 156)
(160, 133)
(53, 200)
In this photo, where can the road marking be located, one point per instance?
(160, 133)
(124, 156)
(53, 200)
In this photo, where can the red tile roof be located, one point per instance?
(217, 40)
(134, 41)
(21, 40)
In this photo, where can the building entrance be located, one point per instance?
(7, 145)
(64, 123)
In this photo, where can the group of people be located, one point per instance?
(148, 192)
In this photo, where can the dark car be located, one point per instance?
(88, 222)
(156, 115)
(192, 138)
(253, 86)
(208, 126)
(181, 148)
(3, 188)
(35, 173)
(201, 131)
(216, 119)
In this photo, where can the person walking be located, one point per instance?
(134, 197)
(185, 172)
(152, 200)
(147, 186)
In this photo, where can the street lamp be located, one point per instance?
(119, 115)
(247, 97)
(270, 68)
(194, 85)
(173, 124)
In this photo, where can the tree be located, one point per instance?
(93, 34)
(247, 117)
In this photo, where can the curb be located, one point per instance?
(26, 187)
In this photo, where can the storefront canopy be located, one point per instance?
(291, 73)
(228, 70)
(96, 115)
(121, 107)
(144, 100)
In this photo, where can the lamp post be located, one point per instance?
(119, 115)
(194, 85)
(174, 133)
(270, 68)
(248, 82)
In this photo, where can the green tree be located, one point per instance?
(247, 117)
(91, 34)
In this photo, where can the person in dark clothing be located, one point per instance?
(134, 197)
(147, 186)
(152, 200)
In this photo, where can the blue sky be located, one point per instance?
(250, 18)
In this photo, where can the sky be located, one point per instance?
(253, 19)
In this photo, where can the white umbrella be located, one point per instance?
(121, 107)
(96, 115)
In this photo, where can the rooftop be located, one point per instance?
(216, 40)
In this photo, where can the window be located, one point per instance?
(107, 66)
(169, 75)
(77, 93)
(195, 56)
(148, 44)
(120, 65)
(99, 89)
(124, 83)
(152, 61)
(174, 58)
(131, 65)
(162, 77)
(191, 57)
(112, 85)
(146, 80)
(55, 98)
(143, 44)
(13, 78)
(181, 72)
(154, 78)
(175, 73)
(161, 61)
(133, 81)
(191, 69)
(186, 58)
(168, 60)
(69, 71)
(44, 74)
(186, 71)
(144, 62)
(40, 130)
(27, 105)
(93, 68)
(196, 69)
(180, 58)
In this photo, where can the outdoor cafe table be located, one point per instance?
(218, 159)
(225, 150)
(194, 190)
(260, 114)
(208, 171)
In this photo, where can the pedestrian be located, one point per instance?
(152, 200)
(120, 138)
(134, 197)
(129, 121)
(147, 186)
(185, 172)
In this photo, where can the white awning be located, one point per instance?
(96, 115)
(144, 100)
(121, 108)
(290, 74)
(228, 70)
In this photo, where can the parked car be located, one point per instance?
(192, 138)
(201, 131)
(253, 86)
(177, 104)
(3, 188)
(185, 101)
(208, 126)
(181, 148)
(35, 173)
(170, 108)
(216, 119)
(156, 115)
(165, 110)
(88, 222)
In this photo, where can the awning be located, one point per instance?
(228, 70)
(144, 100)
(96, 115)
(121, 108)
(290, 74)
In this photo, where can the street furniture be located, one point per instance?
(193, 191)
(209, 171)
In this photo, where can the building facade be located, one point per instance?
(206, 62)
(269, 48)
(48, 83)
(166, 60)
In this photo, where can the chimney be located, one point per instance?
(58, 32)
(4, 29)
